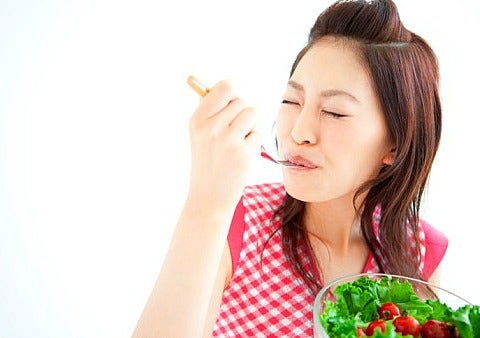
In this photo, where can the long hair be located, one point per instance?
(404, 71)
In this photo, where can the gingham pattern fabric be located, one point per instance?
(266, 298)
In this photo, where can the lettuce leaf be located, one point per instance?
(357, 303)
(474, 317)
(467, 321)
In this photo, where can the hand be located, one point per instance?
(223, 143)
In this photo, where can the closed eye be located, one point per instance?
(288, 102)
(334, 115)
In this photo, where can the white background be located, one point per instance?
(94, 153)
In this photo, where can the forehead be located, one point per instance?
(334, 63)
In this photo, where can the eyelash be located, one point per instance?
(332, 114)
(288, 102)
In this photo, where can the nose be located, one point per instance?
(304, 128)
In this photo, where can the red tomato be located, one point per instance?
(407, 325)
(388, 311)
(453, 330)
(435, 329)
(376, 324)
(360, 332)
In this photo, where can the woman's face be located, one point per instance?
(330, 121)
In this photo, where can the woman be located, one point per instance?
(361, 118)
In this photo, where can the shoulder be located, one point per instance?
(433, 243)
(433, 236)
(436, 244)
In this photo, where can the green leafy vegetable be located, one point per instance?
(357, 304)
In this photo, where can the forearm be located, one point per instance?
(187, 290)
(179, 303)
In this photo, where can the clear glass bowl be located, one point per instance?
(421, 288)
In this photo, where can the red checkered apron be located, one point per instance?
(265, 297)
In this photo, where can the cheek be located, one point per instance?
(367, 147)
(283, 125)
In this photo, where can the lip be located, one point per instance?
(300, 161)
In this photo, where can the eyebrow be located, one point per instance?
(324, 93)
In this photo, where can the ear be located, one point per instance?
(389, 157)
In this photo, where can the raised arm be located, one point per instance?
(186, 295)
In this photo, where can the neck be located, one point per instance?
(335, 223)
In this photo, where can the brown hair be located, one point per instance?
(404, 71)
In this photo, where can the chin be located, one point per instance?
(305, 192)
(313, 192)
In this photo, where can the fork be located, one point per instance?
(284, 163)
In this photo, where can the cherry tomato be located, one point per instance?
(435, 329)
(376, 324)
(388, 311)
(407, 325)
(453, 330)
(360, 332)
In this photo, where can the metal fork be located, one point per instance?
(284, 163)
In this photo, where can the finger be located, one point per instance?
(243, 123)
(227, 115)
(219, 123)
(254, 140)
(218, 97)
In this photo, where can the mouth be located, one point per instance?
(300, 161)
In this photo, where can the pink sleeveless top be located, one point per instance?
(266, 297)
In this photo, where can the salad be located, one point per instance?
(389, 307)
